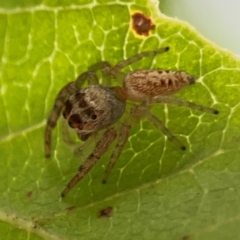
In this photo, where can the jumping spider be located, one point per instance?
(98, 107)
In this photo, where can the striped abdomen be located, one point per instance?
(144, 84)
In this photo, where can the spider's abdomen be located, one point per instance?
(146, 84)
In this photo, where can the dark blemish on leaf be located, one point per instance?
(186, 237)
(106, 212)
(142, 24)
(35, 223)
(70, 208)
(36, 226)
(183, 148)
(29, 194)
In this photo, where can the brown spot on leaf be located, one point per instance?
(142, 24)
(186, 237)
(70, 208)
(106, 212)
(29, 194)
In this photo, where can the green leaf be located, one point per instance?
(156, 190)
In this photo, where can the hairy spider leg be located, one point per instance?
(183, 103)
(142, 111)
(115, 69)
(105, 68)
(64, 93)
(101, 147)
(92, 80)
(67, 90)
(99, 66)
(121, 140)
(89, 76)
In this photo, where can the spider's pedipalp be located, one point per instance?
(121, 140)
(67, 90)
(101, 147)
(142, 111)
(70, 142)
(136, 58)
(66, 135)
(183, 103)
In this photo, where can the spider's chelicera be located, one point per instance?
(97, 107)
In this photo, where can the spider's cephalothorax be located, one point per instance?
(98, 107)
(93, 108)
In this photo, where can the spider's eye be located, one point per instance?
(94, 116)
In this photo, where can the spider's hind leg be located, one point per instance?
(142, 111)
(183, 103)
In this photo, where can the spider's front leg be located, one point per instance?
(122, 139)
(105, 68)
(67, 90)
(101, 147)
(62, 96)
(136, 58)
